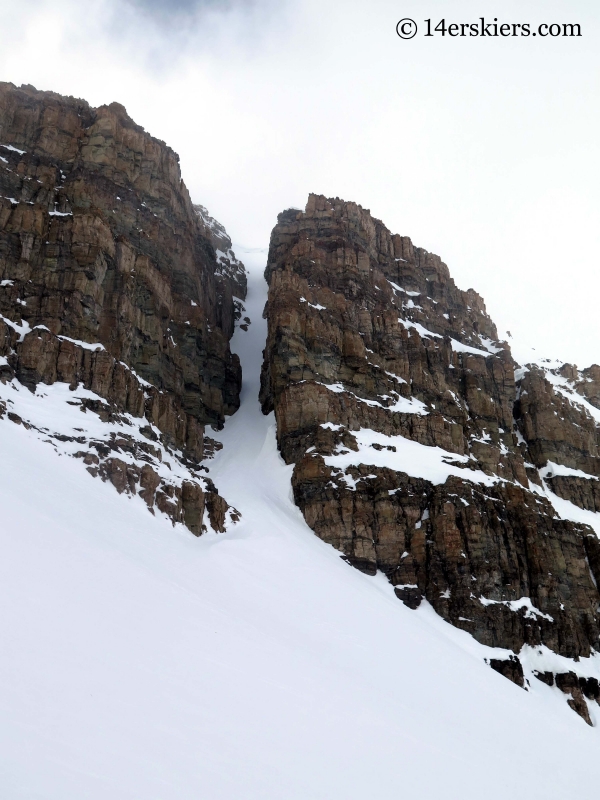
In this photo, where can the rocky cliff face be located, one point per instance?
(110, 280)
(421, 448)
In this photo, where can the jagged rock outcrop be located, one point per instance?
(109, 277)
(230, 273)
(416, 449)
(557, 412)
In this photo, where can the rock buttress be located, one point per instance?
(396, 403)
(100, 244)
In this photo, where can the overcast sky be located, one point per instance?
(483, 150)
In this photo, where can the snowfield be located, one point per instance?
(141, 662)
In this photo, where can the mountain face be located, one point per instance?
(113, 283)
(422, 449)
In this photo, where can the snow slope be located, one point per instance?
(141, 662)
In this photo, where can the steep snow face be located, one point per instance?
(139, 661)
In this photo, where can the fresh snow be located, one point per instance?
(489, 345)
(566, 510)
(13, 148)
(561, 385)
(423, 332)
(317, 306)
(418, 460)
(79, 342)
(411, 304)
(141, 662)
(22, 329)
(525, 354)
(56, 410)
(551, 470)
(397, 288)
(459, 347)
(406, 405)
(564, 387)
(531, 612)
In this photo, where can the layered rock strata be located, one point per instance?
(417, 450)
(109, 276)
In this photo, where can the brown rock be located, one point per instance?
(101, 245)
(568, 683)
(359, 319)
(545, 677)
(510, 667)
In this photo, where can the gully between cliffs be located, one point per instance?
(415, 444)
